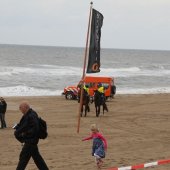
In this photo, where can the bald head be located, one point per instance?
(24, 107)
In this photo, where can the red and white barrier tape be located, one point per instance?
(146, 165)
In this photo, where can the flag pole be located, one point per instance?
(84, 67)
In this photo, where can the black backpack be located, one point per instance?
(42, 129)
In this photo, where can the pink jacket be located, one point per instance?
(97, 135)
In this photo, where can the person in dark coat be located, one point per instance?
(3, 111)
(1, 115)
(26, 132)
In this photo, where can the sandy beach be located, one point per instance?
(137, 128)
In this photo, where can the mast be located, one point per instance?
(84, 67)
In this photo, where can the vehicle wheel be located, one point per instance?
(69, 96)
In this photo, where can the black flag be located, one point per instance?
(94, 47)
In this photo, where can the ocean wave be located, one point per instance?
(132, 72)
(51, 70)
(27, 91)
(32, 70)
(30, 91)
(58, 70)
(157, 90)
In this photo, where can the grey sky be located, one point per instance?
(129, 24)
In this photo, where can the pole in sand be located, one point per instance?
(84, 68)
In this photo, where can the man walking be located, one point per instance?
(27, 132)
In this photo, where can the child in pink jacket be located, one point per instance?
(99, 145)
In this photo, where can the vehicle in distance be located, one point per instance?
(71, 92)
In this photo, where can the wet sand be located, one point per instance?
(137, 128)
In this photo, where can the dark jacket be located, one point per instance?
(4, 106)
(28, 127)
(1, 107)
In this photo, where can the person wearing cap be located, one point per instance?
(101, 90)
(86, 89)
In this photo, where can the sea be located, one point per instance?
(27, 70)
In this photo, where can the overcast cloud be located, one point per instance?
(129, 24)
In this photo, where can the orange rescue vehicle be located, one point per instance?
(71, 92)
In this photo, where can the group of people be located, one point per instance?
(100, 89)
(26, 132)
(99, 146)
(101, 92)
(3, 107)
